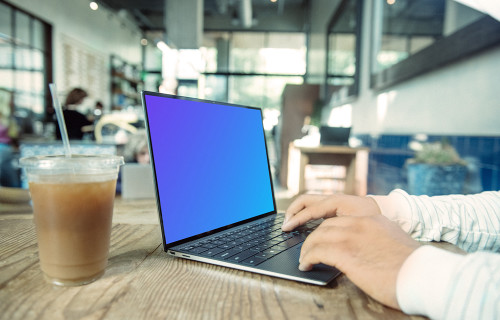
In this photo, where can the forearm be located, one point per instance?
(443, 285)
(472, 222)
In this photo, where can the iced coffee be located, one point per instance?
(73, 206)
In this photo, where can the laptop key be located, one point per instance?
(241, 256)
(227, 254)
(213, 252)
(253, 261)
(274, 251)
(293, 241)
(264, 256)
(197, 250)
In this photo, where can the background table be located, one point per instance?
(355, 161)
(143, 282)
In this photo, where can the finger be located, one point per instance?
(316, 255)
(302, 202)
(326, 234)
(302, 217)
(325, 208)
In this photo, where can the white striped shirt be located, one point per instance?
(436, 282)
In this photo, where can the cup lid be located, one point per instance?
(73, 162)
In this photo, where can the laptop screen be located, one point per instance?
(210, 163)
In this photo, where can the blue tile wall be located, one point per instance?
(388, 154)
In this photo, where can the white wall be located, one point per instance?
(460, 99)
(99, 31)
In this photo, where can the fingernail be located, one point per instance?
(285, 225)
(303, 267)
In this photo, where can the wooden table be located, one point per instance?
(355, 161)
(143, 282)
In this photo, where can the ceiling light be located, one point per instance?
(391, 2)
(274, 0)
(144, 41)
(94, 6)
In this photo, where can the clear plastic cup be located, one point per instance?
(73, 206)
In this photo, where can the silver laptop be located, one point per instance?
(214, 189)
(137, 181)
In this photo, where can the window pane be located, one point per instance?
(22, 28)
(210, 59)
(215, 52)
(38, 82)
(5, 21)
(5, 56)
(245, 56)
(259, 91)
(247, 90)
(6, 79)
(188, 64)
(152, 81)
(341, 82)
(188, 88)
(279, 53)
(38, 104)
(23, 58)
(285, 53)
(392, 50)
(23, 100)
(342, 54)
(23, 81)
(153, 58)
(37, 60)
(215, 88)
(38, 35)
(274, 89)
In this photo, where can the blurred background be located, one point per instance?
(394, 71)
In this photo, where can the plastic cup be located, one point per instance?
(73, 206)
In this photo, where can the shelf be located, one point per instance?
(126, 83)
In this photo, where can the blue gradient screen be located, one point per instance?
(210, 163)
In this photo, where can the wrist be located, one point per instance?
(396, 208)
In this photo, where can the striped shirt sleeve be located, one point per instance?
(472, 222)
(440, 284)
(444, 285)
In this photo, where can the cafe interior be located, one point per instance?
(357, 97)
(398, 75)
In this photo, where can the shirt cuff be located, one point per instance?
(396, 207)
(424, 279)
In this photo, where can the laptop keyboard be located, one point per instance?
(252, 243)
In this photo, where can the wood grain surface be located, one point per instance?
(143, 282)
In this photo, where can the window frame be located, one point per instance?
(472, 39)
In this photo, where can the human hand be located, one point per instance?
(368, 250)
(310, 207)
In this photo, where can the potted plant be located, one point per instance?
(436, 169)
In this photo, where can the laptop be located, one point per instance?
(214, 189)
(338, 136)
(137, 181)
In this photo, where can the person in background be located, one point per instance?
(373, 241)
(136, 149)
(97, 113)
(76, 123)
(9, 134)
